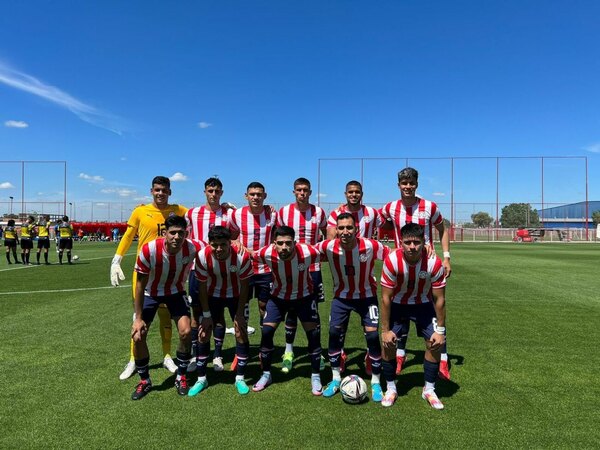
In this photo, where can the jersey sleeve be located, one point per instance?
(389, 273)
(233, 221)
(142, 264)
(384, 213)
(436, 215)
(323, 221)
(200, 270)
(381, 251)
(332, 220)
(438, 274)
(245, 266)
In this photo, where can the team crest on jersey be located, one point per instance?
(363, 258)
(423, 275)
(422, 215)
(233, 269)
(313, 219)
(367, 219)
(301, 267)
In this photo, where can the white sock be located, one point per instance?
(239, 378)
(178, 377)
(429, 386)
(337, 376)
(374, 379)
(267, 374)
(400, 352)
(289, 348)
(391, 386)
(444, 357)
(201, 378)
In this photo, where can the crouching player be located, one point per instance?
(292, 291)
(224, 274)
(413, 289)
(351, 262)
(162, 267)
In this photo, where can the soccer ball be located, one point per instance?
(75, 258)
(353, 389)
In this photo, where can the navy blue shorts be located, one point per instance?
(43, 242)
(260, 286)
(217, 307)
(305, 308)
(422, 315)
(317, 280)
(175, 303)
(193, 286)
(366, 308)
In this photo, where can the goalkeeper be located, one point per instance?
(147, 222)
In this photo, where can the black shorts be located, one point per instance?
(10, 243)
(43, 242)
(175, 303)
(260, 286)
(26, 244)
(65, 243)
(305, 308)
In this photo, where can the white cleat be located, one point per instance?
(218, 364)
(192, 365)
(128, 371)
(230, 330)
(251, 330)
(169, 364)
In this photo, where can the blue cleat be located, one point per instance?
(332, 388)
(198, 387)
(376, 392)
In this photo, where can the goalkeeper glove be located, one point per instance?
(116, 273)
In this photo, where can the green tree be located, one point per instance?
(482, 219)
(519, 215)
(596, 217)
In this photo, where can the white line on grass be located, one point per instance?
(63, 290)
(22, 266)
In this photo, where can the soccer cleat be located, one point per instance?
(286, 364)
(218, 364)
(315, 385)
(169, 364)
(198, 387)
(141, 389)
(444, 371)
(376, 393)
(389, 398)
(343, 358)
(182, 386)
(250, 330)
(332, 388)
(234, 364)
(242, 387)
(432, 399)
(128, 371)
(192, 366)
(399, 363)
(230, 330)
(368, 366)
(264, 381)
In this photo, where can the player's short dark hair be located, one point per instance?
(31, 218)
(301, 180)
(284, 230)
(163, 181)
(219, 232)
(353, 183)
(412, 230)
(255, 185)
(346, 215)
(65, 218)
(175, 221)
(213, 182)
(11, 222)
(408, 173)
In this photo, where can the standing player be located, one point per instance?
(11, 240)
(171, 254)
(147, 222)
(254, 225)
(65, 234)
(43, 232)
(27, 235)
(412, 288)
(351, 261)
(223, 274)
(292, 290)
(413, 209)
(309, 222)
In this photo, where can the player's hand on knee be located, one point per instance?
(388, 339)
(138, 330)
(205, 328)
(436, 341)
(241, 330)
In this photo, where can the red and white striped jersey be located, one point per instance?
(423, 212)
(201, 219)
(306, 224)
(255, 230)
(167, 273)
(352, 270)
(223, 277)
(367, 219)
(291, 278)
(412, 284)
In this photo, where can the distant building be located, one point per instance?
(569, 216)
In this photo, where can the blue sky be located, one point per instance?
(260, 90)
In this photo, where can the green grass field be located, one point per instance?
(521, 324)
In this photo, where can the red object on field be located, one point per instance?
(529, 235)
(98, 228)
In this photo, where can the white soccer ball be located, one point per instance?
(353, 389)
(75, 258)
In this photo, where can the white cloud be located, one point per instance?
(90, 114)
(593, 148)
(178, 176)
(204, 125)
(438, 194)
(121, 192)
(6, 185)
(321, 195)
(144, 198)
(94, 178)
(16, 124)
